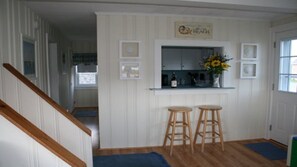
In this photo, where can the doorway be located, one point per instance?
(85, 72)
(52, 75)
(284, 94)
(72, 81)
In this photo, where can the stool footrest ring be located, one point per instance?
(179, 124)
(211, 122)
(209, 132)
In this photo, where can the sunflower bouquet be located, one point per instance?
(216, 63)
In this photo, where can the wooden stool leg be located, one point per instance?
(190, 132)
(220, 129)
(184, 129)
(173, 133)
(167, 130)
(213, 126)
(198, 126)
(204, 130)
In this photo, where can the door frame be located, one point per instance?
(47, 42)
(271, 71)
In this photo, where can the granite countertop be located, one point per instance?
(190, 87)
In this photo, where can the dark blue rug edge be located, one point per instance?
(86, 114)
(272, 152)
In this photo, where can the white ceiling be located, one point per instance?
(76, 18)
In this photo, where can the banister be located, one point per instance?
(34, 88)
(39, 136)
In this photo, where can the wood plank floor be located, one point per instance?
(235, 155)
(92, 123)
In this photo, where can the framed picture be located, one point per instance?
(129, 70)
(28, 50)
(249, 51)
(129, 49)
(248, 70)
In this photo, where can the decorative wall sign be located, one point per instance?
(129, 70)
(129, 49)
(193, 30)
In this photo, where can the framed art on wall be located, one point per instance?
(249, 51)
(129, 49)
(248, 70)
(28, 48)
(129, 70)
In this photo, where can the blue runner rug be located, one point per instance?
(82, 113)
(268, 150)
(131, 160)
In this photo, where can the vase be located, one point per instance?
(216, 80)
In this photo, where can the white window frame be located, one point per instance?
(77, 85)
(286, 74)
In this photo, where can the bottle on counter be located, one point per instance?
(173, 81)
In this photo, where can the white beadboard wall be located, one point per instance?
(17, 20)
(133, 116)
(1, 41)
(86, 97)
(19, 149)
(84, 46)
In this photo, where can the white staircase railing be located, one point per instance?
(23, 144)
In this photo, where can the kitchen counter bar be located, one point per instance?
(191, 90)
(190, 87)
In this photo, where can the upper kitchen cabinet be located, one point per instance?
(171, 58)
(191, 59)
(184, 58)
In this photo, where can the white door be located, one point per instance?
(284, 100)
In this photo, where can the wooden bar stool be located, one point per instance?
(173, 123)
(214, 109)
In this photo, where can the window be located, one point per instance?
(86, 75)
(288, 66)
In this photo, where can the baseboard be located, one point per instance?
(278, 144)
(245, 140)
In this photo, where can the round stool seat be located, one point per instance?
(210, 107)
(179, 109)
